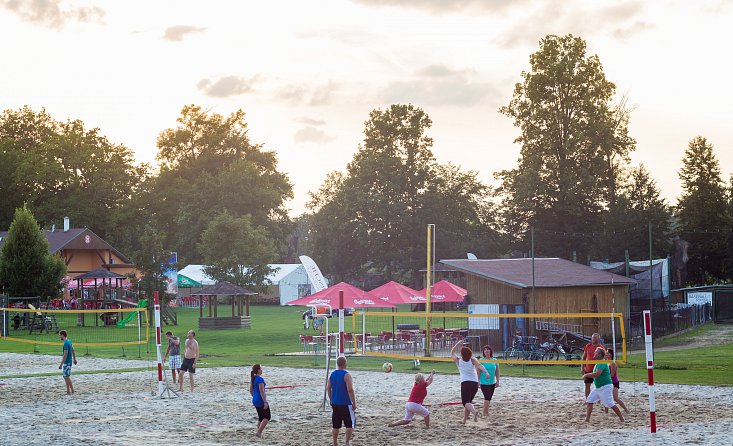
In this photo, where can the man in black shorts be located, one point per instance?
(190, 358)
(340, 391)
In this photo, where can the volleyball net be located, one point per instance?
(87, 328)
(539, 338)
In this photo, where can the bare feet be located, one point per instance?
(475, 416)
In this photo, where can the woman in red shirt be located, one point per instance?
(414, 402)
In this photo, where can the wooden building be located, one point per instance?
(84, 251)
(499, 286)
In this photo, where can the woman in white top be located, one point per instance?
(469, 368)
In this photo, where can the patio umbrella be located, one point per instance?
(396, 293)
(445, 291)
(353, 298)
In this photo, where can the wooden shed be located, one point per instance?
(555, 286)
(238, 298)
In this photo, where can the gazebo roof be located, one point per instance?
(99, 273)
(224, 289)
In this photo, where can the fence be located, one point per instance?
(667, 322)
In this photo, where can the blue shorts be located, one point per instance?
(66, 370)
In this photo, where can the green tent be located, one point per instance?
(187, 282)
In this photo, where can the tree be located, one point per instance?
(236, 251)
(27, 268)
(729, 240)
(574, 141)
(151, 259)
(208, 166)
(703, 212)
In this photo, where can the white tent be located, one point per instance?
(288, 281)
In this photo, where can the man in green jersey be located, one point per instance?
(603, 392)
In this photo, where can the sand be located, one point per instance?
(117, 409)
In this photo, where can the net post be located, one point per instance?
(428, 286)
(157, 344)
(650, 369)
(341, 322)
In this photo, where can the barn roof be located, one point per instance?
(72, 239)
(549, 272)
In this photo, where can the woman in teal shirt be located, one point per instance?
(491, 381)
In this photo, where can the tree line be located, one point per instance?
(219, 199)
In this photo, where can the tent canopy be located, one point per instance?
(445, 291)
(396, 293)
(353, 298)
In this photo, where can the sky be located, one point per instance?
(308, 73)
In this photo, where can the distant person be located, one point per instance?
(603, 391)
(613, 367)
(174, 348)
(66, 360)
(340, 390)
(259, 398)
(468, 367)
(414, 403)
(488, 382)
(190, 357)
(588, 353)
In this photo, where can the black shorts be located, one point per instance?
(263, 413)
(588, 380)
(468, 391)
(488, 391)
(343, 414)
(616, 385)
(187, 366)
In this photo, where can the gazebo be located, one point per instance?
(240, 304)
(102, 278)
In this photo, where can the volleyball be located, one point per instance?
(387, 367)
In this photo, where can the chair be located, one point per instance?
(349, 339)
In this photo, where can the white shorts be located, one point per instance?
(413, 408)
(174, 362)
(603, 394)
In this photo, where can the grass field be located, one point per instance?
(276, 329)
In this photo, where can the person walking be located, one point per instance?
(174, 349)
(69, 356)
(489, 382)
(259, 398)
(190, 357)
(340, 390)
(468, 367)
(588, 352)
(414, 403)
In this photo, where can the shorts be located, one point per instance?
(414, 408)
(66, 370)
(488, 391)
(343, 414)
(616, 384)
(468, 391)
(187, 366)
(588, 380)
(263, 413)
(174, 362)
(603, 394)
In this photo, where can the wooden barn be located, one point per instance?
(560, 286)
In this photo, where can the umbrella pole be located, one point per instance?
(394, 333)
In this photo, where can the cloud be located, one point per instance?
(227, 86)
(50, 12)
(301, 94)
(312, 134)
(178, 32)
(441, 85)
(449, 6)
(578, 19)
(310, 121)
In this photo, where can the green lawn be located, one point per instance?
(276, 329)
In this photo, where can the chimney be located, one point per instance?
(66, 224)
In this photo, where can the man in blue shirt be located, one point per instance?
(66, 360)
(340, 389)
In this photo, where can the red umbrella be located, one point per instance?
(396, 293)
(353, 298)
(445, 291)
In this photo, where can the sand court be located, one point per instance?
(112, 408)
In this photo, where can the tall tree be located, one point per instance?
(236, 251)
(151, 259)
(703, 212)
(574, 141)
(209, 165)
(27, 268)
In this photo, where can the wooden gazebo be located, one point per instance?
(240, 317)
